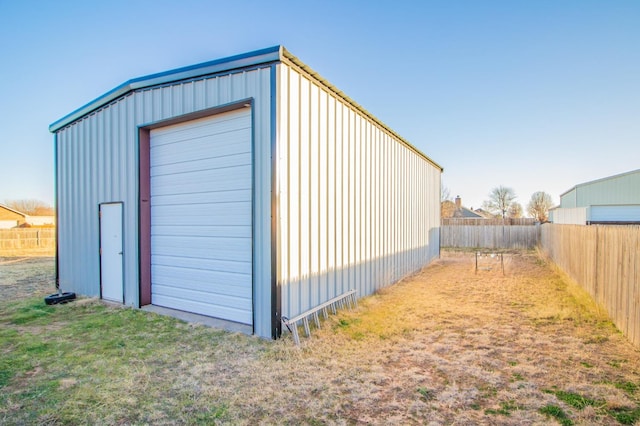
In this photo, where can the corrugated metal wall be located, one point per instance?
(572, 216)
(98, 162)
(620, 189)
(357, 209)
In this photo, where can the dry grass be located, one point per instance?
(446, 346)
(22, 277)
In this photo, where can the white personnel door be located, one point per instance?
(111, 253)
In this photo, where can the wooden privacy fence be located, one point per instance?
(483, 222)
(28, 241)
(490, 236)
(605, 261)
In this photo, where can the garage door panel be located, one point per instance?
(203, 198)
(205, 164)
(226, 220)
(615, 213)
(240, 315)
(239, 231)
(233, 249)
(204, 148)
(242, 268)
(210, 181)
(224, 214)
(201, 216)
(204, 296)
(218, 282)
(208, 126)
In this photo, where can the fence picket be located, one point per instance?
(490, 236)
(605, 261)
(18, 241)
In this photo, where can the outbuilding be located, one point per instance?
(613, 200)
(247, 189)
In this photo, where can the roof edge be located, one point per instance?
(599, 180)
(293, 60)
(244, 60)
(256, 57)
(13, 210)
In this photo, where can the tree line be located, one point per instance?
(502, 203)
(31, 207)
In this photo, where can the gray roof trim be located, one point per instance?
(245, 60)
(599, 180)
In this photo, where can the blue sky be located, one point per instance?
(537, 95)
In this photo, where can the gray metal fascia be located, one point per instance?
(245, 60)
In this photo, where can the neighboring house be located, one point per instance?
(455, 210)
(245, 189)
(485, 214)
(10, 218)
(43, 221)
(610, 200)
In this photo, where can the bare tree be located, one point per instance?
(31, 207)
(500, 199)
(447, 207)
(515, 210)
(445, 193)
(539, 206)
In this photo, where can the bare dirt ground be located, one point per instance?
(445, 346)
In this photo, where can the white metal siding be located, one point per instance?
(357, 208)
(97, 161)
(201, 239)
(573, 216)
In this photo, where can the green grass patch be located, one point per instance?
(626, 416)
(557, 413)
(629, 388)
(87, 363)
(506, 407)
(573, 399)
(28, 311)
(427, 394)
(617, 363)
(622, 415)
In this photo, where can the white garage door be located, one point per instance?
(201, 225)
(615, 213)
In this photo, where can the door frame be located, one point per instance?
(144, 192)
(121, 203)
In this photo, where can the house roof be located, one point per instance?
(467, 213)
(2, 206)
(269, 55)
(462, 212)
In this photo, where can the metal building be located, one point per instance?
(246, 188)
(610, 200)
